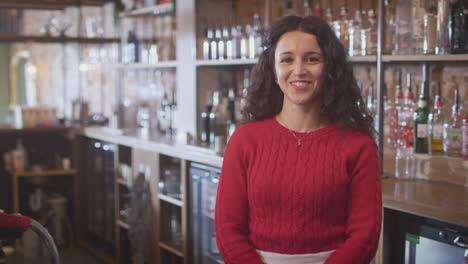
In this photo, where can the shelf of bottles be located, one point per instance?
(220, 103)
(149, 38)
(427, 115)
(148, 64)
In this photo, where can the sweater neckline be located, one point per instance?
(302, 135)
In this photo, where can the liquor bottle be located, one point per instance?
(306, 7)
(452, 130)
(457, 18)
(370, 100)
(370, 31)
(203, 43)
(421, 116)
(164, 114)
(207, 43)
(205, 116)
(465, 147)
(255, 38)
(244, 42)
(392, 114)
(236, 37)
(417, 27)
(214, 43)
(354, 37)
(318, 11)
(443, 25)
(329, 13)
(436, 125)
(429, 27)
(289, 8)
(389, 27)
(220, 41)
(403, 35)
(344, 25)
(405, 116)
(227, 41)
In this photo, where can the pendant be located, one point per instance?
(299, 142)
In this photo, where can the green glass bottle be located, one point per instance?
(421, 118)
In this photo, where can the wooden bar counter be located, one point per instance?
(436, 200)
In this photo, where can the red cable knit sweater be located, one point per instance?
(279, 197)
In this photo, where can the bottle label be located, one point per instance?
(437, 132)
(422, 131)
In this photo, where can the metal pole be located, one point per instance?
(380, 82)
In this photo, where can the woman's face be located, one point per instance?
(298, 66)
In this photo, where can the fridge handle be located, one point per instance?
(460, 242)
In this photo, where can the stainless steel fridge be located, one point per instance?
(203, 186)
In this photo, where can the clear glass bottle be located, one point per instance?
(436, 125)
(227, 41)
(370, 33)
(236, 37)
(203, 42)
(421, 118)
(329, 13)
(370, 100)
(430, 27)
(354, 33)
(465, 142)
(244, 42)
(418, 13)
(403, 28)
(214, 43)
(344, 25)
(457, 30)
(405, 116)
(255, 38)
(443, 39)
(221, 43)
(393, 114)
(452, 130)
(307, 10)
(389, 27)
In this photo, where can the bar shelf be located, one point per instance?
(159, 65)
(425, 58)
(153, 10)
(171, 200)
(50, 39)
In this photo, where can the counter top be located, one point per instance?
(157, 143)
(427, 198)
(437, 200)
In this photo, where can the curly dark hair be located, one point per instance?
(341, 100)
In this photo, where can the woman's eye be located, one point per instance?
(313, 60)
(285, 60)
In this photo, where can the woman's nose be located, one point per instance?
(299, 68)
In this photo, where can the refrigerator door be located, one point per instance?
(435, 245)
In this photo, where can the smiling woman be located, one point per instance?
(300, 181)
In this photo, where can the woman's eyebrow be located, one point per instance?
(307, 53)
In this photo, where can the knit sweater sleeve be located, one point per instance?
(232, 209)
(364, 205)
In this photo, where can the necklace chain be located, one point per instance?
(299, 140)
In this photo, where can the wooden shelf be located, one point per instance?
(368, 58)
(171, 249)
(35, 129)
(122, 224)
(153, 10)
(45, 173)
(49, 39)
(136, 66)
(226, 62)
(422, 58)
(170, 200)
(47, 4)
